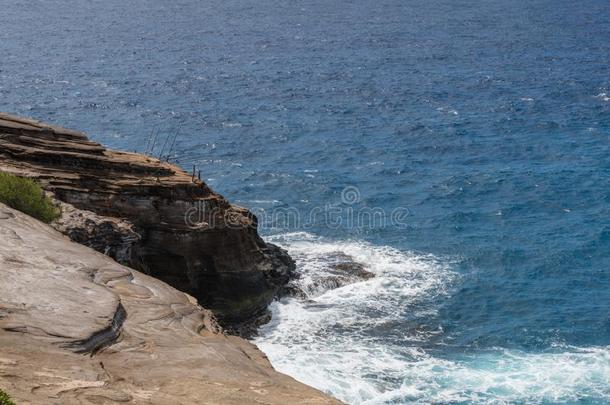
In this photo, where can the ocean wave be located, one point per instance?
(339, 340)
(367, 342)
(500, 376)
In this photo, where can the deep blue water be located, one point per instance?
(488, 121)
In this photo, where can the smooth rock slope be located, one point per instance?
(78, 328)
(152, 216)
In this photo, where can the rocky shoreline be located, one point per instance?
(154, 217)
(129, 325)
(78, 328)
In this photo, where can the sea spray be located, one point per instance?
(380, 341)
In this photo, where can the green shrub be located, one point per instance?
(5, 399)
(27, 196)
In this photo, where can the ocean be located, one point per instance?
(458, 150)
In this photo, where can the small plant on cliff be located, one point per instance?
(26, 196)
(5, 399)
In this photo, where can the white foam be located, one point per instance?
(566, 374)
(326, 342)
(228, 124)
(305, 339)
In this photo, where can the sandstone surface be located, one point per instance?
(78, 328)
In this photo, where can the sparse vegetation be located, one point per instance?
(5, 399)
(27, 196)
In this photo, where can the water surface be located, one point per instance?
(489, 121)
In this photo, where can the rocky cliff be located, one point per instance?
(78, 328)
(152, 216)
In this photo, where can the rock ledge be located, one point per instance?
(147, 214)
(78, 328)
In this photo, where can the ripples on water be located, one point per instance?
(381, 340)
(488, 120)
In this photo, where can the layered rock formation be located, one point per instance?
(151, 216)
(78, 328)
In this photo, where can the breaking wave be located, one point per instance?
(373, 341)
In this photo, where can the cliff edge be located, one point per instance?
(152, 216)
(78, 328)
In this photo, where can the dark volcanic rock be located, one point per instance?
(335, 270)
(152, 216)
(112, 236)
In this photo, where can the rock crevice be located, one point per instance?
(102, 338)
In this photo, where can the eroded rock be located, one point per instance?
(152, 216)
(142, 341)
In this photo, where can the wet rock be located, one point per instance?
(347, 266)
(337, 270)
